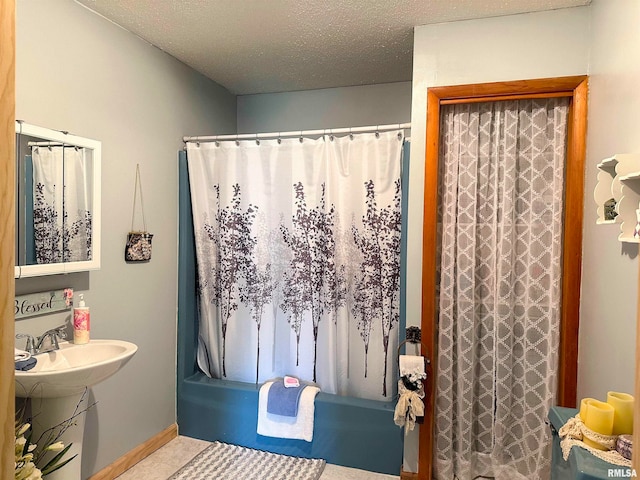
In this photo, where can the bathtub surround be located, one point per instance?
(353, 432)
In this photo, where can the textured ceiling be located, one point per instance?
(259, 46)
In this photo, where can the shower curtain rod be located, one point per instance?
(297, 133)
(50, 144)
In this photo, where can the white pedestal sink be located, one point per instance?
(56, 386)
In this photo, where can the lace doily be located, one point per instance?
(409, 406)
(575, 430)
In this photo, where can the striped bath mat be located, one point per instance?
(222, 461)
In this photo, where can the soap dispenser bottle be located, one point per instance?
(81, 322)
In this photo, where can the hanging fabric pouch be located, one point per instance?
(138, 248)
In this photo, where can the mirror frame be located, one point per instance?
(23, 271)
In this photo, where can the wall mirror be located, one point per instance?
(57, 202)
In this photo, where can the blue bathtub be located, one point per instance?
(348, 431)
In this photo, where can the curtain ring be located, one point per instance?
(350, 134)
(377, 132)
(198, 144)
(279, 139)
(217, 143)
(301, 137)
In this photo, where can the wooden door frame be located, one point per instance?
(7, 239)
(575, 87)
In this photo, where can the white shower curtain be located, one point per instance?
(501, 212)
(62, 212)
(298, 252)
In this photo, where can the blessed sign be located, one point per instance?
(44, 302)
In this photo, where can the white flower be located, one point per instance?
(28, 471)
(20, 441)
(23, 429)
(54, 447)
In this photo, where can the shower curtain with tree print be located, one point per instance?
(501, 213)
(298, 253)
(61, 204)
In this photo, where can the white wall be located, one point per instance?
(325, 108)
(77, 71)
(610, 268)
(517, 47)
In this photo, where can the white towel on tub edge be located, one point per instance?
(279, 426)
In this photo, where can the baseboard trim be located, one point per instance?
(132, 457)
(408, 475)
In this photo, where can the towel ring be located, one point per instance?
(414, 337)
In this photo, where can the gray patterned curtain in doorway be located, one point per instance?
(500, 214)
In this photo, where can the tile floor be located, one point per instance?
(167, 460)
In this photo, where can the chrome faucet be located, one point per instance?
(31, 342)
(35, 345)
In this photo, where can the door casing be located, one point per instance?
(575, 87)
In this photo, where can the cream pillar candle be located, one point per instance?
(600, 420)
(622, 404)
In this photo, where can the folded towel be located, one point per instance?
(27, 364)
(279, 426)
(20, 355)
(283, 400)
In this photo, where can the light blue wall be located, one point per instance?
(608, 304)
(515, 47)
(326, 108)
(77, 71)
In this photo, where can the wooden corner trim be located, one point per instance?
(408, 475)
(7, 232)
(139, 453)
(516, 87)
(577, 88)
